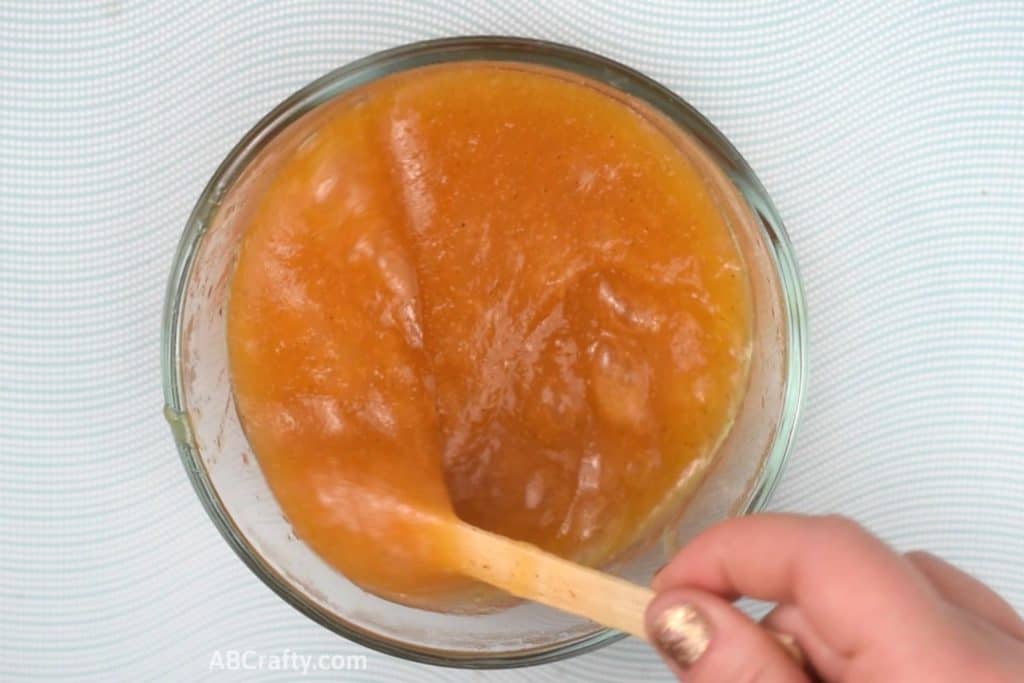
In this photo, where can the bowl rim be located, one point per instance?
(409, 56)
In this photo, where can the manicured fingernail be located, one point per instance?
(682, 634)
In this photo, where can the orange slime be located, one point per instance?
(491, 291)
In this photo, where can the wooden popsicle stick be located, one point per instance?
(526, 571)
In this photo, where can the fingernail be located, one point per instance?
(682, 634)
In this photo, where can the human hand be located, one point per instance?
(858, 610)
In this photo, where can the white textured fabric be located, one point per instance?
(890, 134)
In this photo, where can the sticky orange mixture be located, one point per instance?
(487, 290)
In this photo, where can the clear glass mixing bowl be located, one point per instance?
(201, 411)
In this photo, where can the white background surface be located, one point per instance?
(890, 134)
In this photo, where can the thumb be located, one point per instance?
(705, 639)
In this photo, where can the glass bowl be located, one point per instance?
(201, 411)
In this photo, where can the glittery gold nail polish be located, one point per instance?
(682, 634)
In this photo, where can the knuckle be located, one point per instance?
(920, 557)
(754, 673)
(838, 526)
(760, 667)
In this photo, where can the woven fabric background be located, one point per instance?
(890, 134)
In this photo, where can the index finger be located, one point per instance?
(848, 584)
